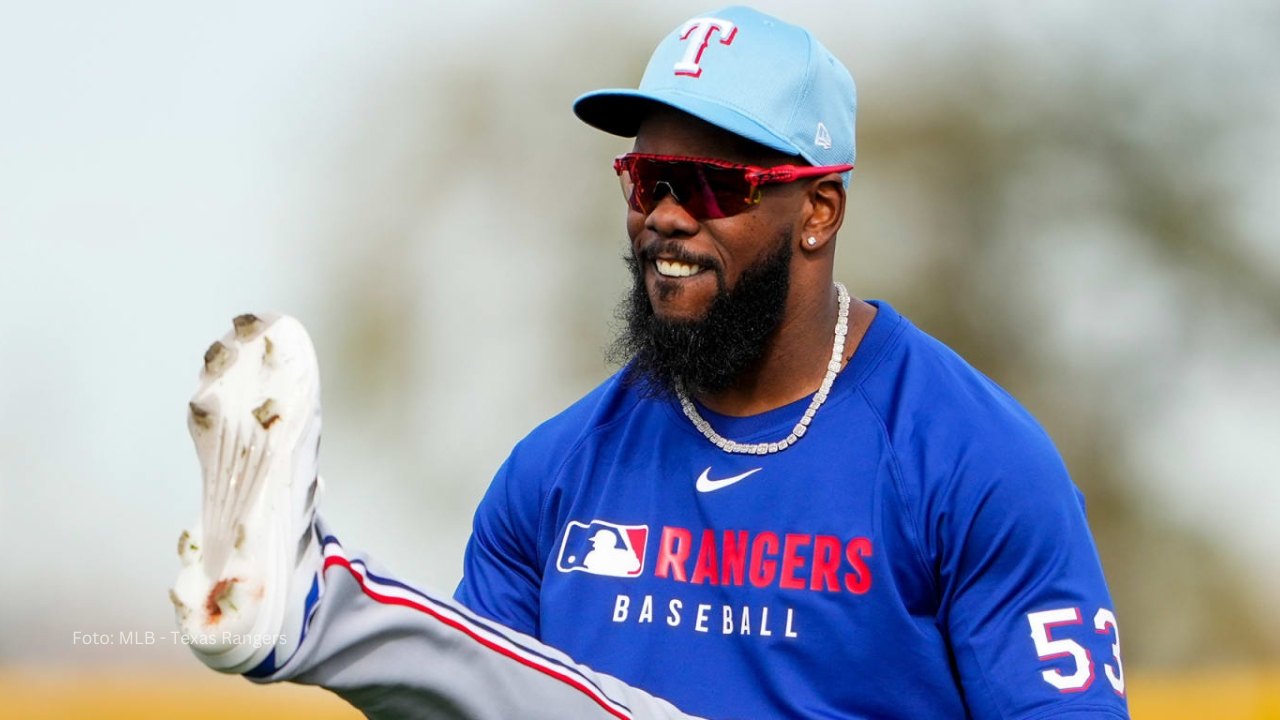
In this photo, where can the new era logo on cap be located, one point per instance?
(823, 137)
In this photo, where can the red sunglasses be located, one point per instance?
(707, 189)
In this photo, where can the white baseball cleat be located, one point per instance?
(252, 560)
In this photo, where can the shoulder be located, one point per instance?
(934, 403)
(975, 469)
(962, 446)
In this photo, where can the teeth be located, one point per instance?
(672, 268)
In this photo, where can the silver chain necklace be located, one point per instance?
(833, 369)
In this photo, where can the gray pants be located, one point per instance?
(396, 652)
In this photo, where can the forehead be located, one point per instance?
(664, 131)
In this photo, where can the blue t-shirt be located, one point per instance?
(919, 553)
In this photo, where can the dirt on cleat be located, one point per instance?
(266, 414)
(246, 325)
(220, 593)
(217, 358)
(187, 549)
(200, 415)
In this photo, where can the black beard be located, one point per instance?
(709, 354)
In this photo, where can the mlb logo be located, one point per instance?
(603, 548)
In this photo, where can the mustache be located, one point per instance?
(674, 250)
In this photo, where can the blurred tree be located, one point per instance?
(956, 154)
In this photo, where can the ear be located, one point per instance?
(826, 200)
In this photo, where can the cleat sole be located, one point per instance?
(255, 422)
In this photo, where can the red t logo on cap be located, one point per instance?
(698, 32)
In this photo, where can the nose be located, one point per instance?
(668, 218)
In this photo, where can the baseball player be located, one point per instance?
(788, 503)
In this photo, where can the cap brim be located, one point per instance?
(620, 112)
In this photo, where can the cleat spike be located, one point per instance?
(266, 414)
(239, 535)
(268, 352)
(217, 358)
(246, 325)
(183, 539)
(200, 415)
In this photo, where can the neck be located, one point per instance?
(795, 358)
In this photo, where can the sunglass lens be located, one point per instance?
(704, 191)
(625, 177)
(727, 189)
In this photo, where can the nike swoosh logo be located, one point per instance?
(706, 484)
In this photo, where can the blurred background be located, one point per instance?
(1080, 197)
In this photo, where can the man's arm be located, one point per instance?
(1023, 599)
(265, 589)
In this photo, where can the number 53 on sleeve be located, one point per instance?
(1043, 626)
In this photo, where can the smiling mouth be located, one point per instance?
(676, 269)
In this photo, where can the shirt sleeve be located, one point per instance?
(501, 575)
(1022, 598)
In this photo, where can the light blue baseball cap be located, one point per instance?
(748, 73)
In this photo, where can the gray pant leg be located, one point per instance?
(396, 652)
